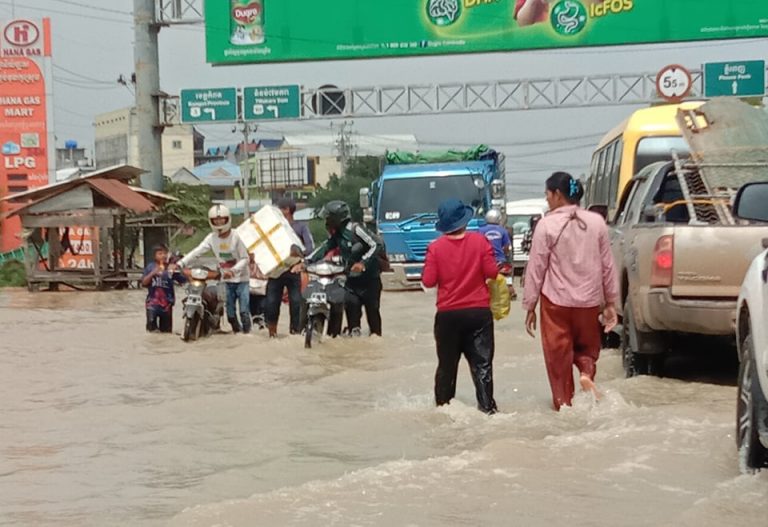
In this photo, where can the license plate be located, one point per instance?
(194, 301)
(509, 280)
(318, 298)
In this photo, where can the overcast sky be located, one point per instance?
(96, 43)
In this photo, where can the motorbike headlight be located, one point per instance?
(199, 273)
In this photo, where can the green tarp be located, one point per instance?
(477, 153)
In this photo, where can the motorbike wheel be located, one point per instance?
(314, 330)
(191, 328)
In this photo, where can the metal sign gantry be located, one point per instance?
(446, 98)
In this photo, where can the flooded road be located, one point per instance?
(102, 424)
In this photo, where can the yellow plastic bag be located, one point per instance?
(500, 299)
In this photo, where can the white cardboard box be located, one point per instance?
(269, 238)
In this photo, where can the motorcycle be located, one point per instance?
(324, 300)
(258, 296)
(202, 309)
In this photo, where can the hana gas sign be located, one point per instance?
(25, 118)
(254, 31)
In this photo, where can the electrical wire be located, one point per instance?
(93, 7)
(84, 77)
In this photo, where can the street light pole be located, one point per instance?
(245, 159)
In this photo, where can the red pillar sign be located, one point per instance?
(25, 49)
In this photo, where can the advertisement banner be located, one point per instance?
(253, 31)
(25, 47)
(78, 247)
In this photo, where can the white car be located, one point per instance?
(519, 214)
(752, 341)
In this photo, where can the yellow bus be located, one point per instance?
(647, 136)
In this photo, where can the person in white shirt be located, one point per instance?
(233, 261)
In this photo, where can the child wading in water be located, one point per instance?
(159, 278)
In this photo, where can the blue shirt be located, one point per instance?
(303, 232)
(160, 292)
(499, 238)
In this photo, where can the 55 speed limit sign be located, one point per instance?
(674, 83)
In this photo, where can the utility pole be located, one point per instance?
(345, 146)
(146, 58)
(247, 173)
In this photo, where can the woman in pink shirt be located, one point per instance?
(459, 263)
(571, 272)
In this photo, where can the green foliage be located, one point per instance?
(13, 274)
(360, 173)
(192, 207)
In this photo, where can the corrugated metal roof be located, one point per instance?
(118, 172)
(122, 195)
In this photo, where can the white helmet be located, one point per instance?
(493, 216)
(220, 211)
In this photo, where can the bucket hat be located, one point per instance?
(453, 215)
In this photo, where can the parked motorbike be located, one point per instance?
(202, 309)
(324, 301)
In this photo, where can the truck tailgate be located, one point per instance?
(710, 261)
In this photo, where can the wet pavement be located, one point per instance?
(103, 424)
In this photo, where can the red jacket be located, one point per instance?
(460, 268)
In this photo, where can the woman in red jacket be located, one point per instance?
(459, 263)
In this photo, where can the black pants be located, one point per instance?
(468, 332)
(160, 320)
(275, 286)
(364, 294)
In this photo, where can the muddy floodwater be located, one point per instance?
(102, 424)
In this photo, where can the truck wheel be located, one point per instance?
(632, 341)
(751, 405)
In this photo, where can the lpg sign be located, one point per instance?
(25, 115)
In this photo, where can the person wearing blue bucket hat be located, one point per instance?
(459, 263)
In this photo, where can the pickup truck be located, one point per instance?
(680, 272)
(752, 340)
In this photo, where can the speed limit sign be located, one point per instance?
(674, 83)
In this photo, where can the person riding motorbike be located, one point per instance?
(233, 260)
(364, 282)
(501, 243)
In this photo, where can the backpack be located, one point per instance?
(381, 248)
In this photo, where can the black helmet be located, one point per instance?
(335, 213)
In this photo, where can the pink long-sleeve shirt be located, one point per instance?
(581, 271)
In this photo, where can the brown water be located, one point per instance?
(102, 424)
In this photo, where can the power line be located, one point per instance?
(70, 13)
(83, 86)
(93, 7)
(85, 77)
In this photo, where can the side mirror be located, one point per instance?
(602, 210)
(365, 198)
(498, 189)
(752, 202)
(651, 214)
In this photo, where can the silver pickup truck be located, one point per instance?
(680, 252)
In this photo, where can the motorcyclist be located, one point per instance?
(359, 253)
(233, 260)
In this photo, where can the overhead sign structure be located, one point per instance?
(216, 105)
(735, 79)
(674, 83)
(271, 102)
(256, 31)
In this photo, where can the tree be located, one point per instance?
(360, 173)
(192, 207)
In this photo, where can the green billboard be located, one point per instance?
(255, 31)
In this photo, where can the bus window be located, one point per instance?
(600, 180)
(614, 186)
(652, 149)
